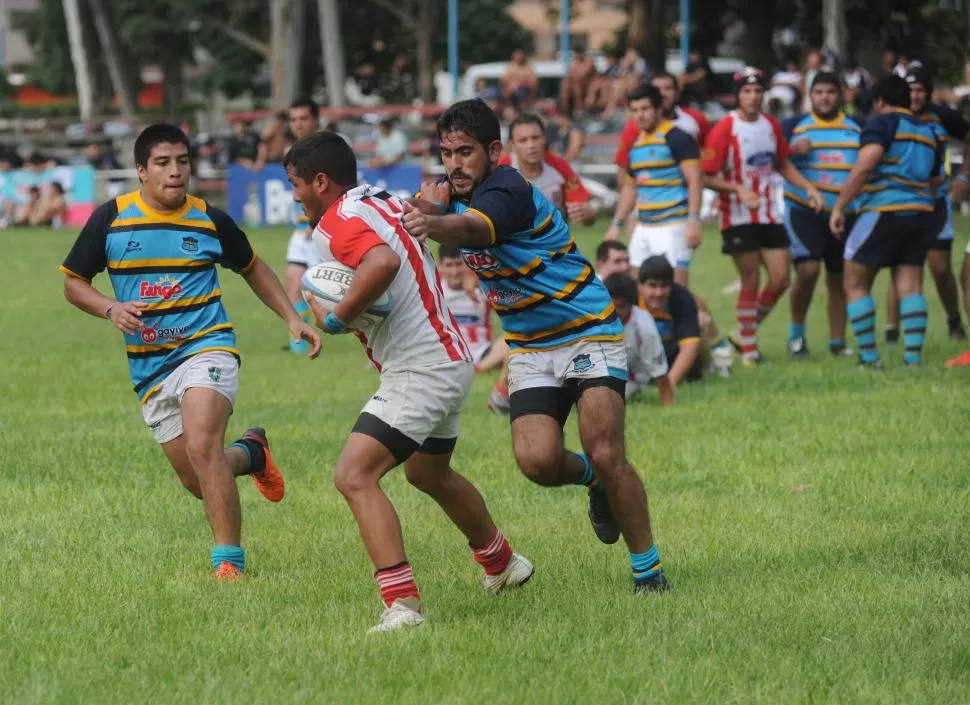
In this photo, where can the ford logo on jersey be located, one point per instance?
(761, 159)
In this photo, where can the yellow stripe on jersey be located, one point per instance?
(913, 207)
(584, 278)
(664, 216)
(181, 303)
(137, 263)
(542, 226)
(565, 327)
(248, 267)
(913, 137)
(585, 339)
(658, 206)
(69, 273)
(907, 182)
(652, 165)
(178, 343)
(662, 182)
(488, 221)
(525, 270)
(832, 167)
(155, 220)
(154, 216)
(564, 249)
(835, 145)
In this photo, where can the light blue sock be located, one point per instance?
(912, 319)
(646, 566)
(229, 554)
(588, 478)
(836, 343)
(303, 309)
(862, 316)
(796, 330)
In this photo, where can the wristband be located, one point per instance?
(107, 312)
(619, 222)
(334, 325)
(440, 206)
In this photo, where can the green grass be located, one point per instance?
(813, 519)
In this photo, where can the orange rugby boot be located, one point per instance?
(270, 480)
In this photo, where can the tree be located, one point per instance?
(118, 67)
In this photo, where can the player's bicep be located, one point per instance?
(88, 256)
(878, 132)
(869, 156)
(237, 253)
(682, 146)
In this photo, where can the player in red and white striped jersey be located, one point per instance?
(741, 157)
(426, 371)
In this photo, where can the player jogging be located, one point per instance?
(667, 187)
(425, 368)
(742, 155)
(953, 126)
(824, 145)
(303, 118)
(160, 247)
(565, 338)
(899, 157)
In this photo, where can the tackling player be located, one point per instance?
(303, 118)
(565, 338)
(824, 146)
(160, 247)
(425, 368)
(899, 157)
(666, 186)
(742, 155)
(953, 126)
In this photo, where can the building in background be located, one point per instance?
(594, 23)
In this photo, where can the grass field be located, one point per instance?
(813, 518)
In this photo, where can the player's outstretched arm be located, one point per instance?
(265, 284)
(373, 276)
(628, 199)
(686, 357)
(792, 175)
(125, 316)
(466, 230)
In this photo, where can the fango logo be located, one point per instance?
(162, 290)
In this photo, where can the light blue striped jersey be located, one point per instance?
(544, 290)
(835, 147)
(950, 124)
(166, 261)
(913, 153)
(655, 164)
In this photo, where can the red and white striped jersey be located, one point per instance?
(747, 153)
(557, 181)
(420, 330)
(474, 315)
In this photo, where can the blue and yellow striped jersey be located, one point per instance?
(655, 164)
(835, 147)
(951, 125)
(167, 261)
(544, 290)
(903, 181)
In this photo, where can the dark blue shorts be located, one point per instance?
(810, 239)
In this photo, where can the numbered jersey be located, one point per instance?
(474, 317)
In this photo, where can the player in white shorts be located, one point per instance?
(426, 371)
(303, 118)
(471, 310)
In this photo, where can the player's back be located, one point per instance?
(546, 292)
(913, 151)
(420, 330)
(835, 147)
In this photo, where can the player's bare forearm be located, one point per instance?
(686, 357)
(628, 199)
(374, 275)
(869, 157)
(790, 173)
(82, 294)
(695, 185)
(666, 390)
(266, 285)
(716, 182)
(466, 230)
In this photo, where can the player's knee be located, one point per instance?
(542, 469)
(192, 485)
(608, 459)
(423, 480)
(351, 481)
(808, 271)
(779, 281)
(939, 268)
(203, 453)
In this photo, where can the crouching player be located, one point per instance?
(645, 356)
(425, 368)
(160, 247)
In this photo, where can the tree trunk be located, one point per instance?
(656, 51)
(424, 40)
(82, 71)
(109, 45)
(333, 51)
(636, 33)
(277, 53)
(294, 34)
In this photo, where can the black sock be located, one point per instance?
(256, 453)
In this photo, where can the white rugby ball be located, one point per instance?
(329, 282)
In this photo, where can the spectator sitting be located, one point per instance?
(611, 256)
(601, 86)
(392, 145)
(564, 136)
(695, 82)
(490, 94)
(51, 208)
(680, 321)
(244, 146)
(23, 212)
(631, 71)
(575, 85)
(273, 137)
(101, 159)
(856, 90)
(785, 90)
(646, 359)
(519, 83)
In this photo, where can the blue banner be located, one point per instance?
(265, 197)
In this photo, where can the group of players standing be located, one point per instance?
(564, 327)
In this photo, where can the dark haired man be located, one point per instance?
(426, 371)
(565, 338)
(611, 256)
(160, 247)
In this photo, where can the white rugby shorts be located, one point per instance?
(587, 359)
(667, 239)
(215, 370)
(300, 250)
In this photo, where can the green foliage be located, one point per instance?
(486, 32)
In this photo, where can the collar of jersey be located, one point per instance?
(834, 122)
(664, 123)
(903, 111)
(171, 215)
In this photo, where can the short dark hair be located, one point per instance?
(56, 185)
(449, 252)
(604, 248)
(323, 152)
(826, 78)
(34, 190)
(526, 119)
(474, 118)
(621, 286)
(159, 133)
(664, 74)
(305, 101)
(657, 268)
(893, 90)
(645, 91)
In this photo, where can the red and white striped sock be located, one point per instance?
(746, 312)
(396, 583)
(495, 556)
(766, 301)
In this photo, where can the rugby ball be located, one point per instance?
(329, 282)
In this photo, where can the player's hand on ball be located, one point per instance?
(837, 222)
(127, 316)
(320, 314)
(415, 222)
(301, 330)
